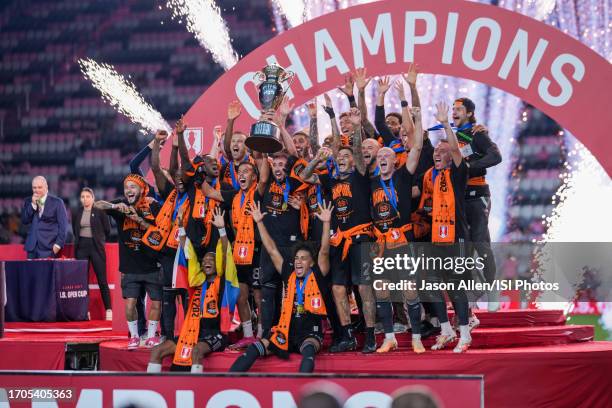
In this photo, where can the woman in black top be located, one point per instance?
(91, 227)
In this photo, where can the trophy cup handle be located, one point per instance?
(259, 76)
(287, 76)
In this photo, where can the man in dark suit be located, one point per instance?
(46, 215)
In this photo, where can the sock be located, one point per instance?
(435, 322)
(370, 335)
(152, 328)
(390, 336)
(133, 327)
(197, 368)
(308, 352)
(259, 330)
(416, 336)
(385, 314)
(447, 329)
(464, 332)
(247, 328)
(246, 360)
(414, 314)
(154, 368)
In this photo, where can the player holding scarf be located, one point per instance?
(299, 328)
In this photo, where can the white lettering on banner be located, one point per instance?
(185, 399)
(324, 42)
(556, 70)
(233, 398)
(244, 97)
(297, 66)
(145, 398)
(492, 46)
(368, 399)
(449, 40)
(382, 32)
(283, 399)
(410, 37)
(526, 66)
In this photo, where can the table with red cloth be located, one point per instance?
(50, 290)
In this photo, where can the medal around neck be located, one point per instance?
(274, 82)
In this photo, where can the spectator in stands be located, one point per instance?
(46, 216)
(414, 397)
(91, 228)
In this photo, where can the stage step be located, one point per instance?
(518, 317)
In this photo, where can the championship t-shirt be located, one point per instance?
(282, 220)
(351, 198)
(391, 200)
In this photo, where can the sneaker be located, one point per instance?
(387, 346)
(109, 315)
(417, 346)
(133, 343)
(442, 340)
(473, 322)
(369, 346)
(344, 345)
(462, 346)
(152, 341)
(399, 328)
(243, 343)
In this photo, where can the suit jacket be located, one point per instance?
(100, 228)
(48, 229)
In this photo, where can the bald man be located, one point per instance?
(46, 216)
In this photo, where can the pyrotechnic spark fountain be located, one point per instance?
(203, 19)
(122, 95)
(293, 10)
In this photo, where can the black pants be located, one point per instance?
(477, 212)
(271, 289)
(87, 250)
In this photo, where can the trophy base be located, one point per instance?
(264, 138)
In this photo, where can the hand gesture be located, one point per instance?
(441, 114)
(218, 218)
(218, 132)
(411, 76)
(361, 78)
(328, 101)
(325, 211)
(384, 83)
(161, 136)
(132, 214)
(323, 154)
(234, 110)
(349, 84)
(285, 107)
(35, 198)
(122, 208)
(312, 108)
(269, 115)
(399, 87)
(180, 126)
(296, 201)
(255, 211)
(355, 116)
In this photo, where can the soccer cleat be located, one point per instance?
(344, 345)
(462, 346)
(133, 343)
(473, 322)
(152, 341)
(417, 346)
(243, 343)
(369, 346)
(387, 346)
(442, 340)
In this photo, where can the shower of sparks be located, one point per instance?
(122, 95)
(293, 10)
(203, 19)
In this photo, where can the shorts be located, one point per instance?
(311, 329)
(249, 274)
(215, 342)
(355, 269)
(133, 283)
(268, 275)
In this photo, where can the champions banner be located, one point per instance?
(527, 58)
(89, 390)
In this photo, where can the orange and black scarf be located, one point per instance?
(203, 210)
(244, 245)
(313, 303)
(441, 194)
(165, 230)
(207, 308)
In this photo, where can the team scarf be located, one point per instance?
(165, 231)
(142, 206)
(309, 299)
(438, 187)
(244, 245)
(203, 210)
(204, 305)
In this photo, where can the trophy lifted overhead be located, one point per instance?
(265, 135)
